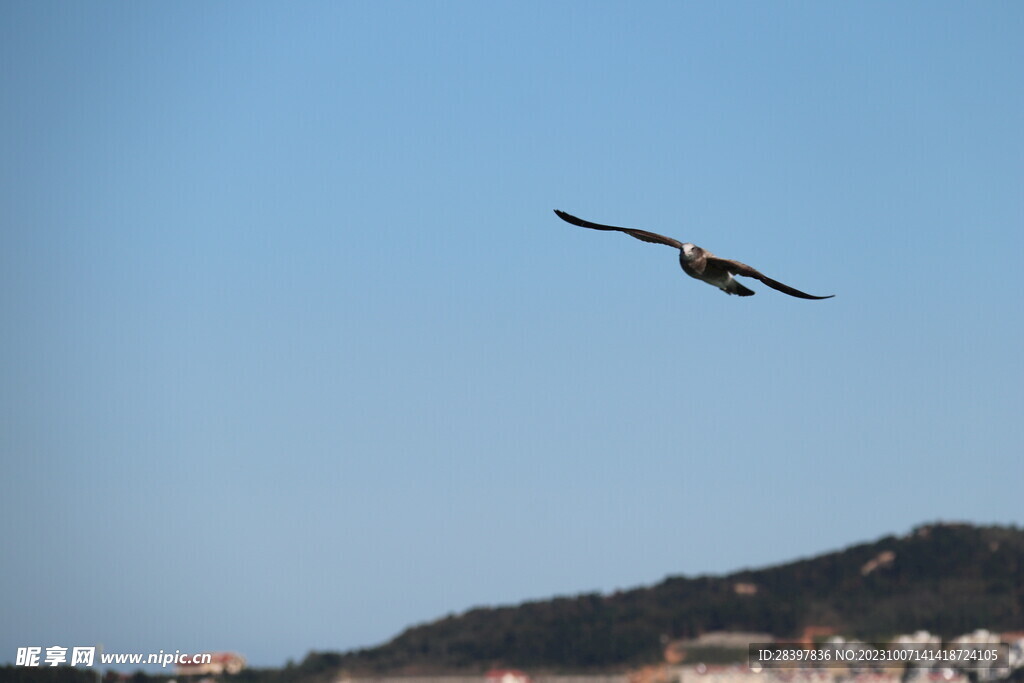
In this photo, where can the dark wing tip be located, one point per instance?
(804, 295)
(569, 218)
(792, 291)
(738, 268)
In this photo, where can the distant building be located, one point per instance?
(730, 639)
(220, 663)
(921, 641)
(979, 637)
(918, 637)
(813, 633)
(507, 676)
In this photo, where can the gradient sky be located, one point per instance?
(295, 353)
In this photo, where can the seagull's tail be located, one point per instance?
(733, 286)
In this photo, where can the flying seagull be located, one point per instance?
(700, 263)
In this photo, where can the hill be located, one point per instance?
(946, 578)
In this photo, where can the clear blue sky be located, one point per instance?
(295, 353)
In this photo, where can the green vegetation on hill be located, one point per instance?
(945, 578)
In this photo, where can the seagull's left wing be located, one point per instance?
(643, 235)
(738, 268)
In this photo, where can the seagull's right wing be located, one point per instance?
(652, 237)
(738, 268)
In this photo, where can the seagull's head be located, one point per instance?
(691, 251)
